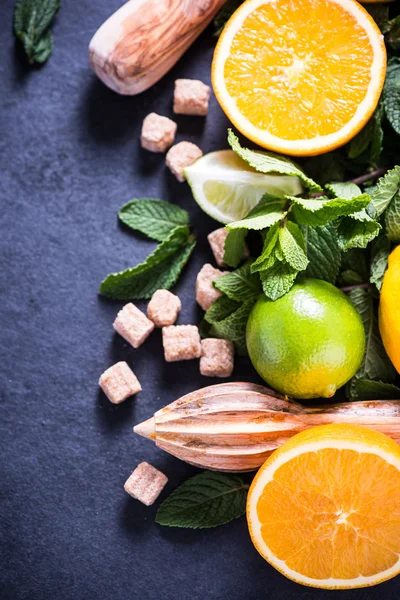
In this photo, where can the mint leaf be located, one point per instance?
(365, 389)
(240, 285)
(361, 141)
(220, 309)
(376, 364)
(293, 246)
(233, 326)
(229, 319)
(225, 14)
(269, 210)
(392, 33)
(350, 277)
(155, 218)
(205, 500)
(268, 162)
(380, 251)
(376, 146)
(234, 247)
(386, 188)
(160, 270)
(356, 260)
(323, 252)
(319, 211)
(278, 280)
(366, 146)
(271, 251)
(392, 219)
(32, 19)
(345, 189)
(391, 93)
(204, 329)
(357, 230)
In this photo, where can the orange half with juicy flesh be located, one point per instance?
(324, 509)
(299, 77)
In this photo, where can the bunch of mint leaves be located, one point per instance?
(336, 232)
(165, 223)
(342, 230)
(32, 22)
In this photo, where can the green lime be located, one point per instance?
(227, 188)
(307, 343)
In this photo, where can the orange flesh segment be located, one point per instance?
(299, 78)
(333, 514)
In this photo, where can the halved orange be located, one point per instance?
(325, 508)
(299, 77)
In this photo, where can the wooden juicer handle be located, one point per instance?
(140, 42)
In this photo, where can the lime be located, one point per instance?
(227, 188)
(307, 343)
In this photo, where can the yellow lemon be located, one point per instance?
(389, 309)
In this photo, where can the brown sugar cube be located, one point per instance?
(163, 308)
(119, 382)
(216, 240)
(206, 293)
(146, 483)
(191, 97)
(158, 133)
(216, 357)
(133, 325)
(180, 156)
(181, 342)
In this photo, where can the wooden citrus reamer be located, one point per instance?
(236, 426)
(142, 40)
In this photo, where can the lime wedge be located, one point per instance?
(227, 188)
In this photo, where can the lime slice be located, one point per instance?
(227, 188)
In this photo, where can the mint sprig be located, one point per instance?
(155, 218)
(269, 162)
(161, 269)
(206, 500)
(32, 21)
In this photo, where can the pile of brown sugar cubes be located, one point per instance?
(191, 97)
(180, 342)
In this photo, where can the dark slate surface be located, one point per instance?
(70, 158)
